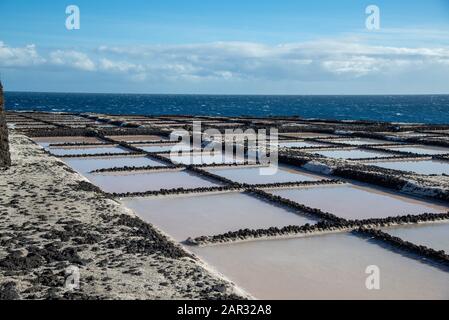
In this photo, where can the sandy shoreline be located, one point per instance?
(51, 218)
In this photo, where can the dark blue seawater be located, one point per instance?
(420, 108)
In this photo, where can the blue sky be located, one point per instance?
(254, 47)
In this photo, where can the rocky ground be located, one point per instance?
(53, 222)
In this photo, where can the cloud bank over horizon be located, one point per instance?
(345, 60)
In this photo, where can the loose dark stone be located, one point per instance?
(8, 291)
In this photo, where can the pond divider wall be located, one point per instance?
(314, 229)
(176, 191)
(363, 172)
(133, 169)
(420, 250)
(300, 208)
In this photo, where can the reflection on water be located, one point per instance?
(354, 202)
(420, 167)
(192, 216)
(434, 235)
(324, 267)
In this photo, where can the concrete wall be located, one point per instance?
(5, 158)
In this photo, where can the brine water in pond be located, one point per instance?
(86, 165)
(46, 141)
(323, 267)
(163, 147)
(422, 150)
(420, 167)
(359, 142)
(137, 138)
(433, 235)
(139, 182)
(199, 215)
(307, 134)
(72, 151)
(300, 144)
(252, 175)
(355, 202)
(204, 158)
(350, 154)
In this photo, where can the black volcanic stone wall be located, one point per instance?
(5, 158)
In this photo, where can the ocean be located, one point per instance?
(393, 108)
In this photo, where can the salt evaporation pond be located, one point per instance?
(252, 175)
(34, 126)
(350, 154)
(307, 134)
(46, 141)
(71, 151)
(359, 142)
(323, 267)
(138, 182)
(433, 235)
(86, 165)
(137, 138)
(420, 167)
(300, 144)
(422, 150)
(164, 147)
(198, 215)
(203, 158)
(355, 202)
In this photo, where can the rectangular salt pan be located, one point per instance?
(422, 150)
(359, 142)
(139, 182)
(83, 150)
(85, 165)
(137, 138)
(350, 154)
(307, 134)
(164, 147)
(253, 175)
(46, 141)
(354, 202)
(433, 235)
(35, 126)
(204, 158)
(420, 167)
(300, 144)
(199, 215)
(323, 267)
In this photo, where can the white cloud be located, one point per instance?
(325, 60)
(19, 57)
(291, 61)
(73, 59)
(119, 66)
